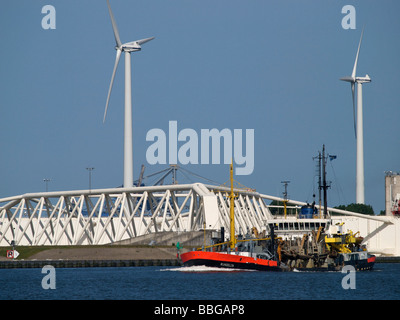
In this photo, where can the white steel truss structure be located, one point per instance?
(105, 216)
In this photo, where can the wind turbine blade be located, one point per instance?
(354, 109)
(347, 79)
(112, 81)
(114, 25)
(140, 42)
(353, 74)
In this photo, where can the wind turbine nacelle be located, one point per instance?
(134, 45)
(363, 79)
(131, 47)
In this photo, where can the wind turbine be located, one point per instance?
(127, 48)
(358, 124)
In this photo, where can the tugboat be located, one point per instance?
(330, 252)
(347, 249)
(237, 253)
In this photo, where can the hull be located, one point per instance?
(237, 261)
(363, 264)
(359, 265)
(227, 260)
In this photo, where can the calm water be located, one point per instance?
(197, 283)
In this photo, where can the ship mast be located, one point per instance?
(325, 185)
(232, 242)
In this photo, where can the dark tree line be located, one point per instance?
(354, 207)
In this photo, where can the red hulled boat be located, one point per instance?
(238, 254)
(239, 260)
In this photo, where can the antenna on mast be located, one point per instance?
(325, 185)
(285, 196)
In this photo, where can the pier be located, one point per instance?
(87, 263)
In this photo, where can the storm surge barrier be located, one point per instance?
(106, 216)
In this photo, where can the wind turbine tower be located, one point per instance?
(127, 48)
(358, 125)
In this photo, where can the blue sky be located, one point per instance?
(271, 66)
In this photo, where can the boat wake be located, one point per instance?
(316, 271)
(205, 269)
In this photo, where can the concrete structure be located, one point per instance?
(392, 192)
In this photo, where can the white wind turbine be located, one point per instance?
(358, 125)
(127, 48)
